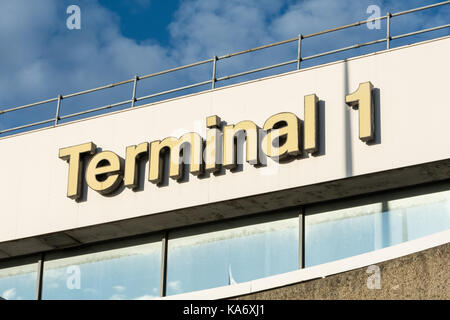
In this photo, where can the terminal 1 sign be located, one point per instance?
(280, 137)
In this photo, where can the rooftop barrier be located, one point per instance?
(213, 62)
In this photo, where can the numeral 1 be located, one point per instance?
(362, 98)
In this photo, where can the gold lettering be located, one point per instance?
(213, 144)
(106, 164)
(133, 153)
(272, 145)
(73, 156)
(174, 145)
(229, 143)
(311, 132)
(213, 122)
(362, 98)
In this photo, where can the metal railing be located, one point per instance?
(59, 99)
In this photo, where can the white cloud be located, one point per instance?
(52, 285)
(42, 58)
(90, 291)
(55, 274)
(9, 294)
(205, 28)
(146, 297)
(174, 285)
(119, 288)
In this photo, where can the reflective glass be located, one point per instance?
(18, 279)
(350, 229)
(230, 252)
(131, 271)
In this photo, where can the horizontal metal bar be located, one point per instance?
(257, 48)
(28, 105)
(421, 8)
(175, 69)
(374, 19)
(27, 125)
(257, 70)
(355, 24)
(174, 90)
(96, 109)
(420, 31)
(355, 46)
(112, 85)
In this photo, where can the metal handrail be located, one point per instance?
(420, 31)
(174, 90)
(355, 46)
(214, 61)
(256, 70)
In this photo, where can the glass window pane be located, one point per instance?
(351, 229)
(240, 250)
(131, 271)
(18, 279)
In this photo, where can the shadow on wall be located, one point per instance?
(376, 96)
(348, 130)
(348, 135)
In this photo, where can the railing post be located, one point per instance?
(133, 98)
(213, 81)
(58, 106)
(299, 51)
(388, 30)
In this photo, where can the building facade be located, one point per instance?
(238, 190)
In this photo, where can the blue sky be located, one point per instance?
(145, 19)
(41, 58)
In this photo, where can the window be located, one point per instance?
(18, 279)
(231, 251)
(131, 271)
(239, 250)
(347, 228)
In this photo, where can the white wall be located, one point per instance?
(414, 113)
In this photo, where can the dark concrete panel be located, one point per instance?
(421, 275)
